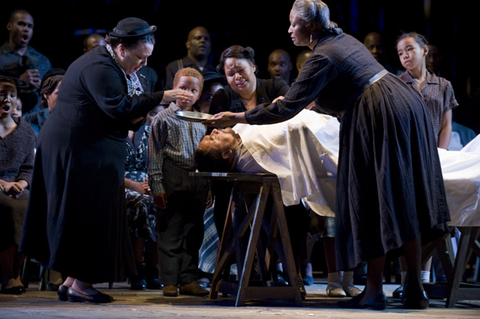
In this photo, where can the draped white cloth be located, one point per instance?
(303, 153)
(461, 173)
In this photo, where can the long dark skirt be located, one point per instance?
(75, 222)
(390, 186)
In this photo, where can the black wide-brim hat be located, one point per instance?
(22, 86)
(132, 27)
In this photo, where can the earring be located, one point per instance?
(311, 38)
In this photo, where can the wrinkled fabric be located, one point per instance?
(461, 173)
(302, 152)
(390, 186)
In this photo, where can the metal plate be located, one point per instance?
(193, 116)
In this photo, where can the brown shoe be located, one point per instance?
(193, 288)
(170, 291)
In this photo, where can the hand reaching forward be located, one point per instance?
(225, 119)
(175, 94)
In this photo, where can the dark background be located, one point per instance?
(60, 27)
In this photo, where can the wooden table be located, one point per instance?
(454, 266)
(252, 192)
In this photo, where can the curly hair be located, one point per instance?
(238, 52)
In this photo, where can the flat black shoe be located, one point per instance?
(397, 293)
(62, 293)
(76, 296)
(154, 283)
(416, 300)
(281, 281)
(17, 290)
(138, 284)
(378, 302)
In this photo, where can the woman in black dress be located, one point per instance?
(75, 221)
(390, 192)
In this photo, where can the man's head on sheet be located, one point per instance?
(216, 151)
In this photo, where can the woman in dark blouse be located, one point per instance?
(243, 92)
(390, 192)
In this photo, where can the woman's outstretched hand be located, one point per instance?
(175, 94)
(225, 119)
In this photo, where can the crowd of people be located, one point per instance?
(95, 166)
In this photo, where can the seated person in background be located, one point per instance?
(181, 198)
(92, 41)
(17, 112)
(301, 58)
(375, 43)
(49, 91)
(16, 166)
(280, 65)
(308, 173)
(212, 83)
(300, 61)
(141, 210)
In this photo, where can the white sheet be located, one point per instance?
(302, 152)
(461, 173)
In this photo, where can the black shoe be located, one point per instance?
(138, 283)
(76, 296)
(378, 302)
(62, 293)
(281, 281)
(417, 300)
(154, 283)
(17, 290)
(397, 293)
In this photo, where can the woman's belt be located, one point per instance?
(370, 81)
(375, 78)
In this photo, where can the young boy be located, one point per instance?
(181, 198)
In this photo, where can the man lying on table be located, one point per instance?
(302, 152)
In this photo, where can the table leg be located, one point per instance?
(252, 243)
(459, 266)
